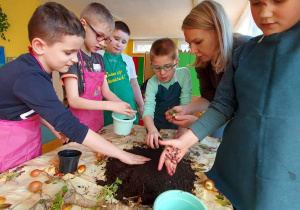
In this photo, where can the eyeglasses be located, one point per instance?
(99, 37)
(166, 67)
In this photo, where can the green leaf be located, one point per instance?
(200, 169)
(220, 197)
(4, 25)
(65, 188)
(222, 202)
(12, 176)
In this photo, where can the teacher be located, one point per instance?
(207, 29)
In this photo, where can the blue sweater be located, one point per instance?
(24, 86)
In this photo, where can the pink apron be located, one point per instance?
(92, 90)
(20, 140)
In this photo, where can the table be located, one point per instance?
(13, 184)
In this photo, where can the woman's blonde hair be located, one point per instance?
(210, 15)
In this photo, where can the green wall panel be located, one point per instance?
(141, 70)
(185, 60)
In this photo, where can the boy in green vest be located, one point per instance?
(120, 71)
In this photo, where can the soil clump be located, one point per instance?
(145, 180)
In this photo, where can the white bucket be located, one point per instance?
(122, 123)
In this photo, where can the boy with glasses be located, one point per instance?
(85, 82)
(121, 74)
(169, 87)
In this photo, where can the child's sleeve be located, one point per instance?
(130, 67)
(185, 81)
(37, 92)
(150, 102)
(72, 72)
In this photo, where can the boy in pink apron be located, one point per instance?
(85, 82)
(26, 91)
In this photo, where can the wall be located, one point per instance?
(186, 59)
(18, 14)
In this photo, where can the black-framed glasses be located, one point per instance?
(166, 67)
(99, 37)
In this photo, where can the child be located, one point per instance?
(26, 91)
(120, 71)
(169, 87)
(85, 82)
(257, 164)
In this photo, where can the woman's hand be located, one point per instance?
(170, 114)
(122, 108)
(184, 121)
(132, 159)
(152, 138)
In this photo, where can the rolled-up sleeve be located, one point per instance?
(150, 99)
(185, 81)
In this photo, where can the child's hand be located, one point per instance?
(172, 154)
(141, 110)
(132, 159)
(152, 138)
(64, 139)
(122, 108)
(175, 150)
(179, 132)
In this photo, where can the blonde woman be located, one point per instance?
(208, 31)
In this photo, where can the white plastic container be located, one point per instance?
(179, 200)
(122, 123)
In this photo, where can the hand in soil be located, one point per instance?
(152, 139)
(132, 159)
(141, 184)
(172, 154)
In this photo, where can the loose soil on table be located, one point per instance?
(145, 180)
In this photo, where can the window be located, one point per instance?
(183, 46)
(142, 46)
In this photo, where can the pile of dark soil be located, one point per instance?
(145, 180)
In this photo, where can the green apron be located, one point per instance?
(118, 82)
(258, 163)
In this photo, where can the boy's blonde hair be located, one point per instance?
(210, 15)
(162, 47)
(98, 12)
